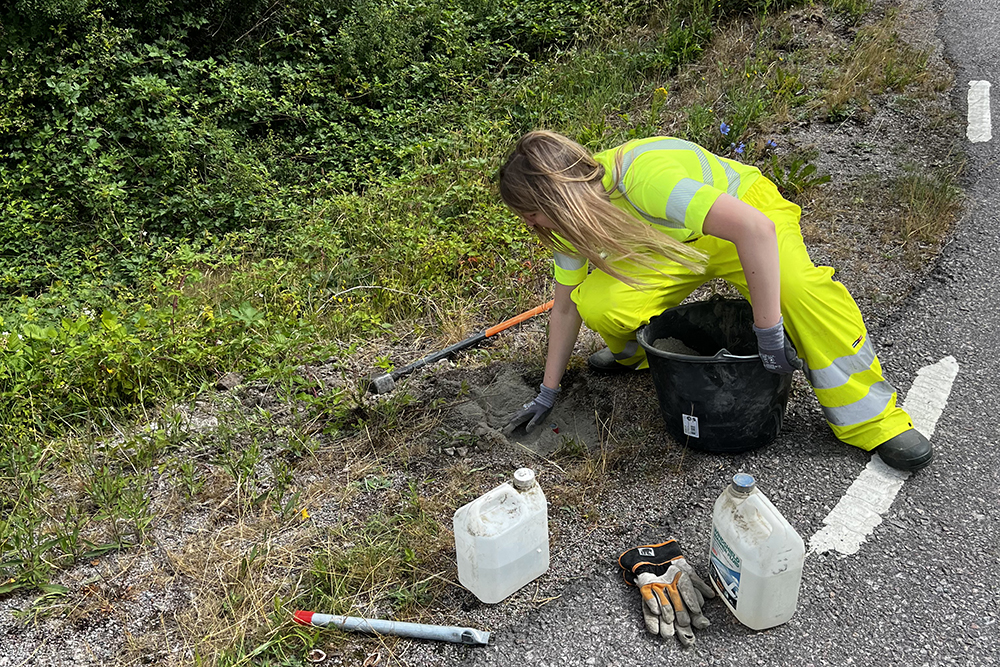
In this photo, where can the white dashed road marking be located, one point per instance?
(860, 510)
(980, 124)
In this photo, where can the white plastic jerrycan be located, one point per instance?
(502, 538)
(756, 556)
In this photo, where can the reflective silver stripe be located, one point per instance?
(682, 195)
(680, 198)
(631, 348)
(840, 371)
(669, 144)
(733, 177)
(669, 221)
(568, 263)
(862, 410)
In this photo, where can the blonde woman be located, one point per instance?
(657, 217)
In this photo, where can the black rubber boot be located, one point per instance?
(603, 361)
(909, 450)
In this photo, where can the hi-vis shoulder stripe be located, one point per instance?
(684, 192)
(667, 144)
(734, 180)
(567, 262)
(681, 197)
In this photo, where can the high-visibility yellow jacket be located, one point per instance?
(670, 183)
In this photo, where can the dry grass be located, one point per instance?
(363, 540)
(930, 202)
(241, 577)
(878, 61)
(916, 208)
(760, 75)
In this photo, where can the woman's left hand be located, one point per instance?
(777, 352)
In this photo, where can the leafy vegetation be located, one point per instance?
(794, 174)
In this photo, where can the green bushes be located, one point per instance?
(339, 153)
(92, 363)
(110, 151)
(126, 127)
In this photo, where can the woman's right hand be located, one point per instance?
(564, 326)
(533, 413)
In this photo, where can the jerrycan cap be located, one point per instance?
(524, 479)
(743, 482)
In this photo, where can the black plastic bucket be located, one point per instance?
(721, 400)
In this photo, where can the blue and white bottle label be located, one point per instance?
(725, 569)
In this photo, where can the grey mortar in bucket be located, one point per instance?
(714, 393)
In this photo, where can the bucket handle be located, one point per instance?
(721, 355)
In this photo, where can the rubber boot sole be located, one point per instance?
(603, 361)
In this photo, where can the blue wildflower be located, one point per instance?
(739, 149)
(771, 143)
(724, 128)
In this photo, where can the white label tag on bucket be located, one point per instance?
(691, 426)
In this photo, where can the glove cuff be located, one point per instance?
(649, 558)
(771, 338)
(546, 396)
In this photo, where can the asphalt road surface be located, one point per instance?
(917, 582)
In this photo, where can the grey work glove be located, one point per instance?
(534, 413)
(777, 352)
(672, 592)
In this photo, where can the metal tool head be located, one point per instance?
(473, 636)
(381, 384)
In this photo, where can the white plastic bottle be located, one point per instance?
(502, 538)
(756, 556)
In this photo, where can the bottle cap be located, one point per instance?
(524, 479)
(743, 483)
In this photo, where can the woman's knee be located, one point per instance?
(598, 316)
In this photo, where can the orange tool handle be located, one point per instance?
(526, 315)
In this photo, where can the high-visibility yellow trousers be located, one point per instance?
(820, 316)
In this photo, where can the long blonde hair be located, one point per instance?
(558, 177)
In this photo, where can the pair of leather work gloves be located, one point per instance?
(672, 592)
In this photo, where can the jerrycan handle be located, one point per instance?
(751, 504)
(501, 495)
(754, 510)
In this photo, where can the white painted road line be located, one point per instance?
(857, 514)
(927, 397)
(980, 123)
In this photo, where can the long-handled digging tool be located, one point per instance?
(384, 383)
(382, 627)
